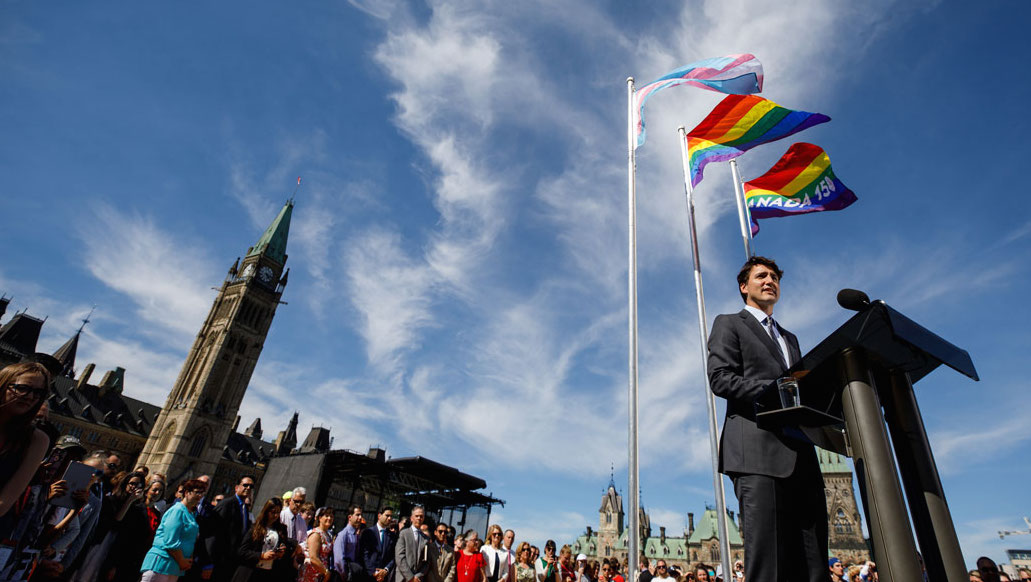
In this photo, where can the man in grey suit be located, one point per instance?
(411, 552)
(776, 477)
(441, 557)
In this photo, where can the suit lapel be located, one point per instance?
(753, 324)
(796, 352)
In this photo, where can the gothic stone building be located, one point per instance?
(196, 431)
(699, 542)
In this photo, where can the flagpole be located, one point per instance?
(742, 210)
(633, 468)
(710, 398)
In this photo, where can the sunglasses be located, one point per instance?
(247, 485)
(23, 390)
(112, 465)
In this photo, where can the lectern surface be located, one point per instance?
(891, 340)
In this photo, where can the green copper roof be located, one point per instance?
(273, 243)
(674, 548)
(707, 528)
(832, 462)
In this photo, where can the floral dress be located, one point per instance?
(309, 573)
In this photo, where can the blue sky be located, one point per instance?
(458, 283)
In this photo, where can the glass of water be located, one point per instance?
(788, 388)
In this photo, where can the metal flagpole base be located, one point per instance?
(893, 545)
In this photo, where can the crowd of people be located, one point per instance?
(121, 526)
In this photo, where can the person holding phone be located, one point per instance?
(172, 553)
(547, 565)
(267, 550)
(130, 528)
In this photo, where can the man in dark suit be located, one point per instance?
(376, 546)
(776, 477)
(232, 521)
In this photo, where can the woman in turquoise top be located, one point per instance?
(172, 553)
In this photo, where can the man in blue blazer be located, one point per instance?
(376, 546)
(776, 478)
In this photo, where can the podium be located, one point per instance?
(856, 388)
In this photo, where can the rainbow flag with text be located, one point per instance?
(801, 182)
(740, 123)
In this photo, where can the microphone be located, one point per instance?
(853, 299)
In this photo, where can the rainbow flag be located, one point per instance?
(736, 74)
(740, 123)
(801, 182)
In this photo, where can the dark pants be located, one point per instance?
(784, 525)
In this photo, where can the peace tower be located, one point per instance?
(198, 417)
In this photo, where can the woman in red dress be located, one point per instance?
(471, 565)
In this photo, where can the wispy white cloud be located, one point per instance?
(536, 526)
(954, 449)
(391, 293)
(1018, 233)
(980, 537)
(674, 520)
(167, 278)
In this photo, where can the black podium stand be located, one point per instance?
(869, 365)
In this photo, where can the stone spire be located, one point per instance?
(66, 353)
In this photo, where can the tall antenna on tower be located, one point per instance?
(86, 319)
(296, 188)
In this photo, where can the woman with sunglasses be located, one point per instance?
(524, 564)
(23, 389)
(495, 556)
(119, 534)
(318, 551)
(172, 553)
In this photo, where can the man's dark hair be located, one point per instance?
(386, 508)
(746, 269)
(242, 477)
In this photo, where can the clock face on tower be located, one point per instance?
(265, 274)
(247, 271)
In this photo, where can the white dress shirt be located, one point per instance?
(773, 330)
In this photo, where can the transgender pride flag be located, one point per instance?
(733, 74)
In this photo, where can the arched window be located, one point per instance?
(842, 524)
(608, 518)
(199, 442)
(166, 437)
(714, 551)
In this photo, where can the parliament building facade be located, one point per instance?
(699, 541)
